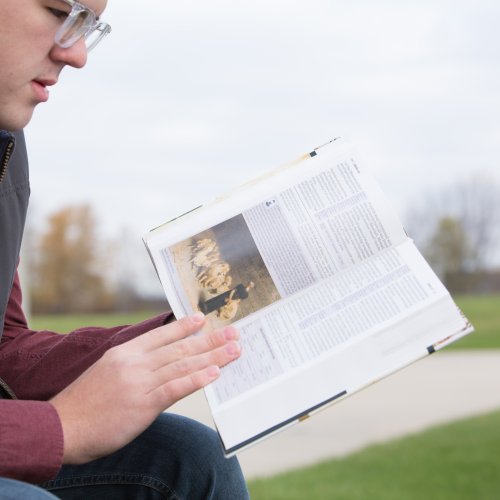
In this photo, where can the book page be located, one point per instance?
(318, 227)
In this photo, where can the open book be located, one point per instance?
(313, 267)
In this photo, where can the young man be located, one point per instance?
(93, 399)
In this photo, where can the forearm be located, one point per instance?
(38, 365)
(31, 441)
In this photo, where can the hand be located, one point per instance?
(123, 392)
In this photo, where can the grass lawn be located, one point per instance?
(483, 312)
(64, 323)
(459, 461)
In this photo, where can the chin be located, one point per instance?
(18, 122)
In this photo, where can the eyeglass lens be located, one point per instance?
(81, 23)
(74, 28)
(96, 35)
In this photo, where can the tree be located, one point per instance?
(448, 250)
(68, 264)
(468, 213)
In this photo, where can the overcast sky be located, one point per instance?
(187, 99)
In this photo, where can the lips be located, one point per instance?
(40, 89)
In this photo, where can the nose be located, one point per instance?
(75, 56)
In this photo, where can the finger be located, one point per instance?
(169, 393)
(187, 366)
(167, 334)
(191, 346)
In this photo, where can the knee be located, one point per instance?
(206, 472)
(11, 489)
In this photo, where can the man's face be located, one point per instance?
(29, 59)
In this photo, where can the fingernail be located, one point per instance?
(230, 333)
(213, 371)
(199, 317)
(233, 348)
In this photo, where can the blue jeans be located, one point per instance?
(14, 490)
(175, 458)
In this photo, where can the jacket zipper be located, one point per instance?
(5, 391)
(5, 159)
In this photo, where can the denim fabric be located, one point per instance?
(16, 490)
(176, 458)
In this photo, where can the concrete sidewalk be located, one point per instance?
(443, 387)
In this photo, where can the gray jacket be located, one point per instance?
(14, 196)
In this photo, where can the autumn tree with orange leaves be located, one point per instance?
(68, 263)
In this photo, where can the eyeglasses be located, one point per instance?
(80, 22)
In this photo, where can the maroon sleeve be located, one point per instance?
(37, 366)
(31, 440)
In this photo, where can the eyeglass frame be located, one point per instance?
(89, 28)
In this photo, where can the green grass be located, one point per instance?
(64, 323)
(483, 312)
(459, 461)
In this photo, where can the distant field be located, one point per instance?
(482, 311)
(64, 323)
(459, 461)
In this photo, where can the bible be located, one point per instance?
(328, 292)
